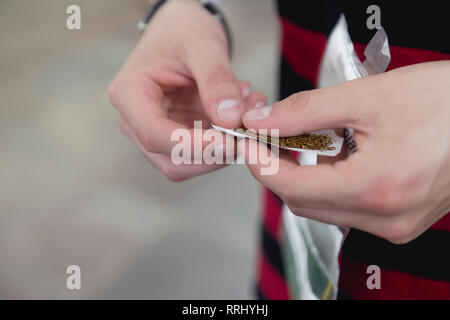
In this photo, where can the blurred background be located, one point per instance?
(74, 191)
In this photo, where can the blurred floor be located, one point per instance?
(74, 191)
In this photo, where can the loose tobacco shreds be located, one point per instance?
(309, 141)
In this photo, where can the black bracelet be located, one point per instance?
(213, 9)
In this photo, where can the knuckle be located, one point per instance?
(385, 195)
(400, 231)
(118, 91)
(128, 83)
(171, 174)
(220, 75)
(215, 80)
(148, 142)
(289, 197)
(112, 94)
(299, 101)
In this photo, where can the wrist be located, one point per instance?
(209, 5)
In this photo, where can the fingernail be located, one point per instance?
(229, 110)
(259, 104)
(258, 114)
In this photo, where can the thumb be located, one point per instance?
(220, 92)
(306, 111)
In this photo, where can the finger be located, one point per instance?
(255, 100)
(165, 164)
(324, 186)
(390, 228)
(220, 92)
(335, 107)
(332, 202)
(246, 88)
(180, 172)
(337, 217)
(139, 103)
(125, 129)
(144, 116)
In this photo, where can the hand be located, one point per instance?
(398, 182)
(179, 72)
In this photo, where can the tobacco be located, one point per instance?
(309, 141)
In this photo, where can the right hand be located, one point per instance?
(179, 72)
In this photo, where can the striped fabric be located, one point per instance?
(421, 268)
(272, 278)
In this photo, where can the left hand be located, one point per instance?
(398, 182)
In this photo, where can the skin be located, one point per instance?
(398, 182)
(175, 76)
